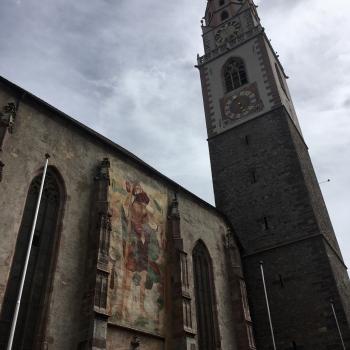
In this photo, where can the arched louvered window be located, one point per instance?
(205, 299)
(234, 74)
(34, 303)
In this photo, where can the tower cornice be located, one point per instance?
(211, 28)
(232, 44)
(228, 46)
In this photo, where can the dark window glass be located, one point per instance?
(224, 15)
(35, 292)
(281, 281)
(234, 74)
(204, 291)
(266, 223)
(253, 176)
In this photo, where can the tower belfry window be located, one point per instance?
(234, 74)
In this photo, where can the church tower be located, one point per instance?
(265, 184)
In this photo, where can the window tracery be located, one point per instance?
(235, 74)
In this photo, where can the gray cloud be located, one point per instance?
(125, 68)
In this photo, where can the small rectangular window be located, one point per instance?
(36, 240)
(253, 176)
(266, 224)
(281, 281)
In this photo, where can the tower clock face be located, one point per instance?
(241, 104)
(227, 32)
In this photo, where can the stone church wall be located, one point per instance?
(37, 132)
(75, 154)
(195, 226)
(120, 339)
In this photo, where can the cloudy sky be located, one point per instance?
(126, 69)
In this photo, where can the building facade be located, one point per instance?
(124, 258)
(265, 184)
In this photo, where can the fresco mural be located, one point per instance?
(138, 254)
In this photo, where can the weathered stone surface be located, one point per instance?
(281, 219)
(75, 154)
(196, 226)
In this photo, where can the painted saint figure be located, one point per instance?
(141, 247)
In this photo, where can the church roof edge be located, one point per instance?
(22, 93)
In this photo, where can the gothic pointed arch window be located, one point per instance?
(207, 326)
(35, 298)
(234, 73)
